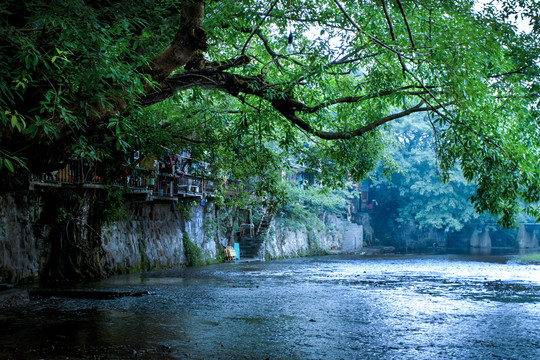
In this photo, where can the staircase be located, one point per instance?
(264, 224)
(250, 246)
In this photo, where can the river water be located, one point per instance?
(332, 307)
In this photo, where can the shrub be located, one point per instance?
(194, 254)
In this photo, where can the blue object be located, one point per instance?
(237, 249)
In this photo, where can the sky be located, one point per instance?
(522, 24)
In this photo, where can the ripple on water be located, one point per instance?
(331, 307)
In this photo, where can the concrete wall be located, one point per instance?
(353, 237)
(154, 236)
(285, 240)
(34, 244)
(150, 237)
(21, 242)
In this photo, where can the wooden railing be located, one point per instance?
(139, 180)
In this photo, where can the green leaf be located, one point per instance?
(9, 165)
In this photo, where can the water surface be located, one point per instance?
(393, 307)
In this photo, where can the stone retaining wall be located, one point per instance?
(284, 240)
(34, 243)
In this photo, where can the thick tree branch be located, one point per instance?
(293, 118)
(211, 76)
(252, 85)
(406, 22)
(227, 64)
(190, 38)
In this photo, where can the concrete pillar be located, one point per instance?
(527, 239)
(353, 237)
(480, 240)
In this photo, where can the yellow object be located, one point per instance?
(230, 253)
(149, 162)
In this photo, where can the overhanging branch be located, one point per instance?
(356, 99)
(292, 117)
(235, 85)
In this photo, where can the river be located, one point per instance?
(332, 307)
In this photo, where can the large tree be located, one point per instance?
(415, 196)
(77, 76)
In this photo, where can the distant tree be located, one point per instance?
(415, 195)
(82, 77)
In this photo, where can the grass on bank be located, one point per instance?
(528, 259)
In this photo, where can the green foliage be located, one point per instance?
(185, 208)
(194, 255)
(63, 215)
(306, 209)
(220, 255)
(320, 199)
(303, 207)
(63, 61)
(9, 161)
(110, 209)
(528, 259)
(75, 77)
(67, 209)
(416, 195)
(218, 225)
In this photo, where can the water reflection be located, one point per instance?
(403, 307)
(481, 251)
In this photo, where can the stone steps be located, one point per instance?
(250, 246)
